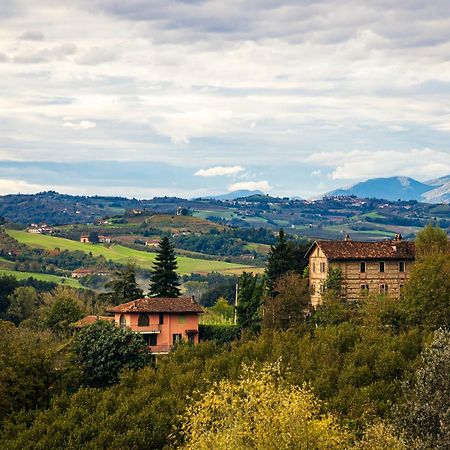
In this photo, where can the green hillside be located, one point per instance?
(42, 277)
(121, 254)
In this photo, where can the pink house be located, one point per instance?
(163, 322)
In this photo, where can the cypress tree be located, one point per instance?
(164, 276)
(281, 259)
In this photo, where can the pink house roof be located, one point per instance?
(159, 305)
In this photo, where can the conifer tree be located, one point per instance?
(164, 276)
(281, 259)
(124, 285)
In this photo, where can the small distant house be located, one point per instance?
(104, 239)
(366, 267)
(42, 228)
(84, 239)
(85, 272)
(163, 322)
(152, 243)
(89, 320)
(247, 256)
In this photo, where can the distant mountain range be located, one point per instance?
(236, 194)
(400, 188)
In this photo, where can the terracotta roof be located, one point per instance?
(159, 304)
(89, 320)
(341, 250)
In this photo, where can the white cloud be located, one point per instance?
(250, 186)
(97, 55)
(32, 36)
(17, 186)
(82, 125)
(219, 171)
(360, 164)
(316, 173)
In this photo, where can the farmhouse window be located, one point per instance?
(322, 267)
(365, 288)
(401, 266)
(122, 321)
(383, 288)
(161, 318)
(182, 318)
(176, 338)
(362, 267)
(381, 266)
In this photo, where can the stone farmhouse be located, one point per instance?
(366, 267)
(163, 322)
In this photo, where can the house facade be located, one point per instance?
(366, 267)
(163, 322)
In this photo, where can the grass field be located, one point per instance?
(122, 255)
(42, 277)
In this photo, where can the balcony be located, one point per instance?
(152, 328)
(159, 349)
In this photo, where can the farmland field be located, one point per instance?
(42, 277)
(122, 255)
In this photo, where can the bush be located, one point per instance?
(222, 334)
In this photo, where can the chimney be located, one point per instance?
(398, 237)
(135, 305)
(347, 238)
(193, 298)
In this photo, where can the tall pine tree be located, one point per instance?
(164, 276)
(281, 259)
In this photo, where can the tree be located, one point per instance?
(61, 308)
(250, 291)
(7, 285)
(291, 304)
(425, 416)
(102, 350)
(23, 302)
(431, 241)
(260, 411)
(93, 237)
(164, 276)
(124, 285)
(333, 282)
(427, 292)
(27, 368)
(283, 257)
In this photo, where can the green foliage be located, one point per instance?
(222, 334)
(124, 285)
(61, 308)
(222, 313)
(427, 292)
(431, 241)
(249, 305)
(333, 310)
(27, 368)
(23, 303)
(290, 306)
(425, 415)
(164, 276)
(333, 282)
(284, 256)
(102, 350)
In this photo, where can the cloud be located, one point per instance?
(17, 186)
(97, 55)
(32, 36)
(82, 125)
(316, 173)
(219, 171)
(362, 164)
(3, 57)
(250, 186)
(45, 55)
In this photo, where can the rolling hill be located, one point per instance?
(121, 254)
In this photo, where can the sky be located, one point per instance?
(143, 98)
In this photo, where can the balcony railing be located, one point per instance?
(152, 328)
(160, 348)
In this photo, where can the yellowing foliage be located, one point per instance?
(260, 411)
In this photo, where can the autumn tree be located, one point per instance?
(164, 278)
(260, 411)
(290, 306)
